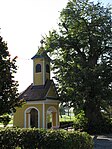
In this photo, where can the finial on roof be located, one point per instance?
(41, 48)
(41, 43)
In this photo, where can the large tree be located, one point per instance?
(8, 86)
(82, 51)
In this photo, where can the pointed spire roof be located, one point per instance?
(41, 52)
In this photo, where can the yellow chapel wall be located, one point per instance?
(18, 120)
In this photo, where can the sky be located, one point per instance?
(23, 23)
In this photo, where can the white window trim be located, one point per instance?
(28, 110)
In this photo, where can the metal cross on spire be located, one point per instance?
(41, 43)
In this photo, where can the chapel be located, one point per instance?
(41, 105)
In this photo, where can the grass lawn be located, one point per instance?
(66, 118)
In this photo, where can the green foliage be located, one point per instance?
(80, 122)
(30, 138)
(5, 119)
(8, 86)
(82, 52)
(8, 139)
(80, 140)
(44, 139)
(62, 110)
(56, 139)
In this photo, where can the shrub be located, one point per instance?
(80, 140)
(30, 138)
(33, 138)
(56, 140)
(8, 138)
(80, 122)
(67, 140)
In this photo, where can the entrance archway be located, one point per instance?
(32, 117)
(51, 117)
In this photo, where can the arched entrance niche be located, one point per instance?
(31, 117)
(51, 117)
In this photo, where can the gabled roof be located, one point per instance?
(37, 92)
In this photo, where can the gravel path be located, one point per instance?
(103, 142)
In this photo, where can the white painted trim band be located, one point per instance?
(43, 115)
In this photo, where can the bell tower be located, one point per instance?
(41, 66)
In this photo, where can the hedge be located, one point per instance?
(11, 138)
(63, 124)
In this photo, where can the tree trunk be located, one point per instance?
(93, 114)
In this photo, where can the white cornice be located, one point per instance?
(44, 102)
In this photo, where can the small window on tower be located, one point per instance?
(38, 68)
(47, 68)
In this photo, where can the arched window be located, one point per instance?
(38, 68)
(47, 68)
(34, 118)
